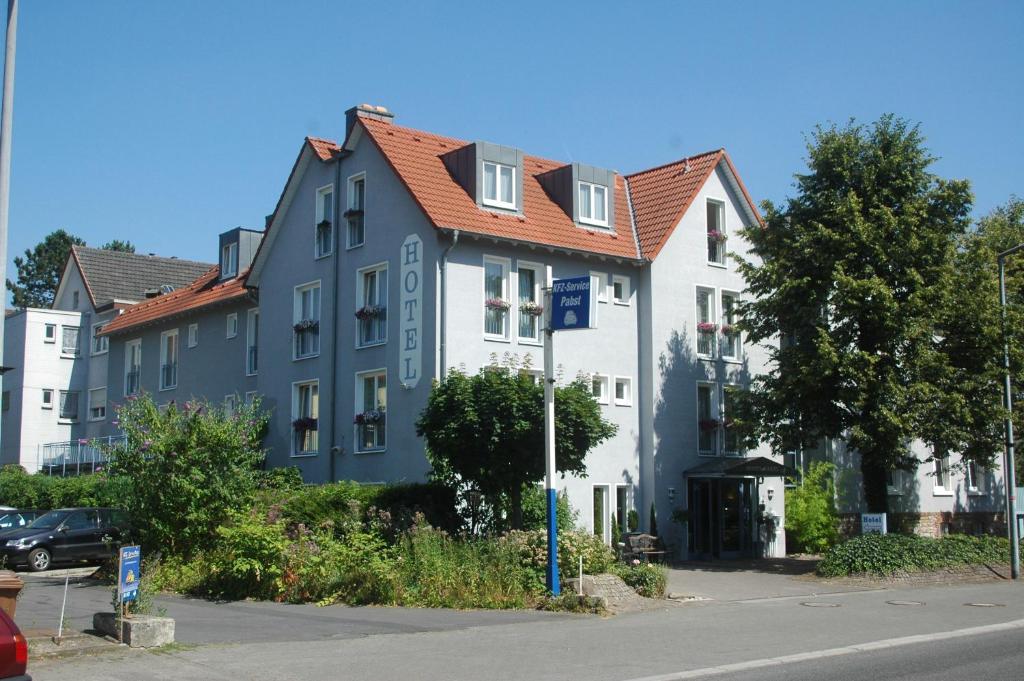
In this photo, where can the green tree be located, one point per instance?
(811, 519)
(118, 245)
(190, 467)
(487, 431)
(853, 273)
(40, 269)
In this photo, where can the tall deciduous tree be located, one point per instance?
(853, 274)
(40, 269)
(487, 430)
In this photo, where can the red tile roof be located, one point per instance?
(662, 195)
(416, 159)
(203, 292)
(323, 148)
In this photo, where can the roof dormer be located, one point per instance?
(490, 173)
(237, 249)
(585, 193)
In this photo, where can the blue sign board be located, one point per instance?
(571, 303)
(129, 573)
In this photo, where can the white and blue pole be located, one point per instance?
(549, 441)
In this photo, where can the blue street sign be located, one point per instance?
(570, 303)
(129, 572)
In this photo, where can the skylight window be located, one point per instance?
(499, 185)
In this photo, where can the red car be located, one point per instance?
(13, 651)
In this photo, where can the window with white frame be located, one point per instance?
(229, 260)
(372, 315)
(306, 320)
(623, 391)
(252, 337)
(940, 470)
(98, 404)
(707, 421)
(305, 418)
(531, 306)
(100, 344)
(232, 325)
(706, 326)
(47, 398)
(250, 397)
(169, 359)
(534, 376)
(69, 405)
(230, 403)
(69, 340)
(499, 185)
(600, 508)
(620, 289)
(74, 300)
(593, 204)
(622, 507)
(731, 343)
(599, 280)
(496, 298)
(716, 232)
(599, 388)
(730, 438)
(372, 398)
(356, 210)
(132, 366)
(324, 230)
(50, 333)
(193, 335)
(971, 476)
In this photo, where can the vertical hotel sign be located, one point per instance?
(410, 322)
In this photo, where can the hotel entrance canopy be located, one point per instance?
(757, 467)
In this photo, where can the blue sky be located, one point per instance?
(167, 123)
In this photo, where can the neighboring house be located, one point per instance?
(56, 392)
(401, 254)
(199, 341)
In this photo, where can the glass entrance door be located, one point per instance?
(720, 518)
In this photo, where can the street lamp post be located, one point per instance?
(1008, 468)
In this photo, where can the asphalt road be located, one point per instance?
(657, 645)
(991, 656)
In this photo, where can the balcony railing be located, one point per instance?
(131, 382)
(253, 363)
(77, 457)
(716, 251)
(169, 375)
(307, 342)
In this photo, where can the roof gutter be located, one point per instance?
(442, 345)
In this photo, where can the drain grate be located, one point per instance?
(904, 602)
(985, 605)
(819, 604)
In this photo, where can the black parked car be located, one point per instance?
(14, 518)
(65, 535)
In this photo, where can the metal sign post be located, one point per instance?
(568, 304)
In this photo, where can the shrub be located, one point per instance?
(646, 579)
(811, 519)
(531, 546)
(535, 510)
(189, 467)
(22, 490)
(892, 554)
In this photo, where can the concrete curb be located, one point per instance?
(834, 652)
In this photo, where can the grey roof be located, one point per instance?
(116, 275)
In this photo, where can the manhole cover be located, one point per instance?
(985, 605)
(904, 602)
(818, 604)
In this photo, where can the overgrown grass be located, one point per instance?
(892, 554)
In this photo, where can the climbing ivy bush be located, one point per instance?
(893, 554)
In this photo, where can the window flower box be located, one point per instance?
(304, 423)
(706, 327)
(729, 329)
(307, 325)
(370, 312)
(369, 417)
(716, 236)
(324, 225)
(531, 308)
(353, 213)
(708, 425)
(497, 304)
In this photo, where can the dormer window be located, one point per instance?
(593, 204)
(499, 185)
(229, 260)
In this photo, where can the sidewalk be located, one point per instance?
(744, 580)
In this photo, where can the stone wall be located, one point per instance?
(934, 524)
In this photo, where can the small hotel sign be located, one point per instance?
(410, 355)
(571, 304)
(873, 523)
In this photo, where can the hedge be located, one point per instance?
(892, 554)
(44, 492)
